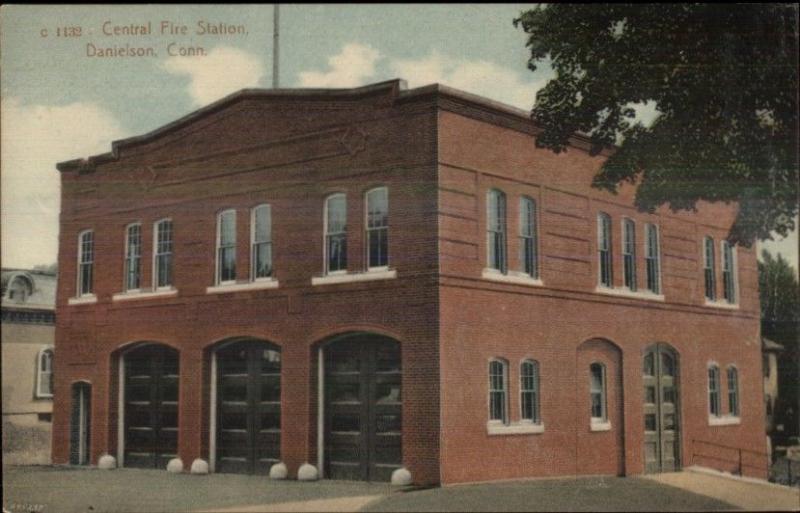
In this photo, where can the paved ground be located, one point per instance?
(67, 490)
(749, 495)
(577, 494)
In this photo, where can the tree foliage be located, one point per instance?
(724, 79)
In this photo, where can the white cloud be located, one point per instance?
(475, 76)
(358, 64)
(223, 71)
(351, 67)
(34, 138)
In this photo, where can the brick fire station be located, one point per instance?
(384, 279)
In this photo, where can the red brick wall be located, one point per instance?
(290, 154)
(481, 319)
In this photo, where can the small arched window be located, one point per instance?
(336, 234)
(597, 392)
(713, 391)
(528, 235)
(44, 374)
(226, 247)
(498, 391)
(85, 262)
(604, 250)
(261, 242)
(733, 391)
(377, 223)
(653, 258)
(529, 391)
(709, 269)
(629, 253)
(496, 230)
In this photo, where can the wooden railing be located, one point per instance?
(737, 456)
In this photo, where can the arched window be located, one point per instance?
(133, 255)
(85, 262)
(528, 235)
(496, 230)
(226, 247)
(728, 272)
(733, 391)
(336, 234)
(377, 223)
(529, 390)
(261, 242)
(20, 289)
(713, 391)
(44, 374)
(162, 254)
(653, 258)
(604, 253)
(597, 392)
(498, 391)
(709, 270)
(629, 253)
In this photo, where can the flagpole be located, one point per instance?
(275, 55)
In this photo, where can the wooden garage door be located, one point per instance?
(363, 408)
(151, 406)
(248, 407)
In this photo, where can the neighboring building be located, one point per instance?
(28, 334)
(770, 352)
(374, 278)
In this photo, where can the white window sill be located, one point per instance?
(515, 277)
(43, 396)
(139, 294)
(82, 300)
(625, 292)
(517, 428)
(354, 277)
(236, 287)
(725, 420)
(599, 425)
(722, 304)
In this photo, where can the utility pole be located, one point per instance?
(275, 53)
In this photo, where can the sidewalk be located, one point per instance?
(743, 493)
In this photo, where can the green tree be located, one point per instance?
(724, 79)
(780, 315)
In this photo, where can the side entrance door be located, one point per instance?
(363, 408)
(661, 410)
(80, 426)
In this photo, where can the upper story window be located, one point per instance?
(604, 249)
(728, 272)
(44, 374)
(377, 228)
(498, 391)
(529, 391)
(85, 262)
(226, 247)
(496, 230)
(133, 256)
(733, 391)
(713, 391)
(629, 253)
(528, 235)
(597, 392)
(709, 270)
(261, 242)
(653, 258)
(336, 234)
(162, 254)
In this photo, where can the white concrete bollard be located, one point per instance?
(401, 477)
(307, 472)
(175, 466)
(199, 466)
(278, 471)
(107, 462)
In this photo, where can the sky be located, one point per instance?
(61, 99)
